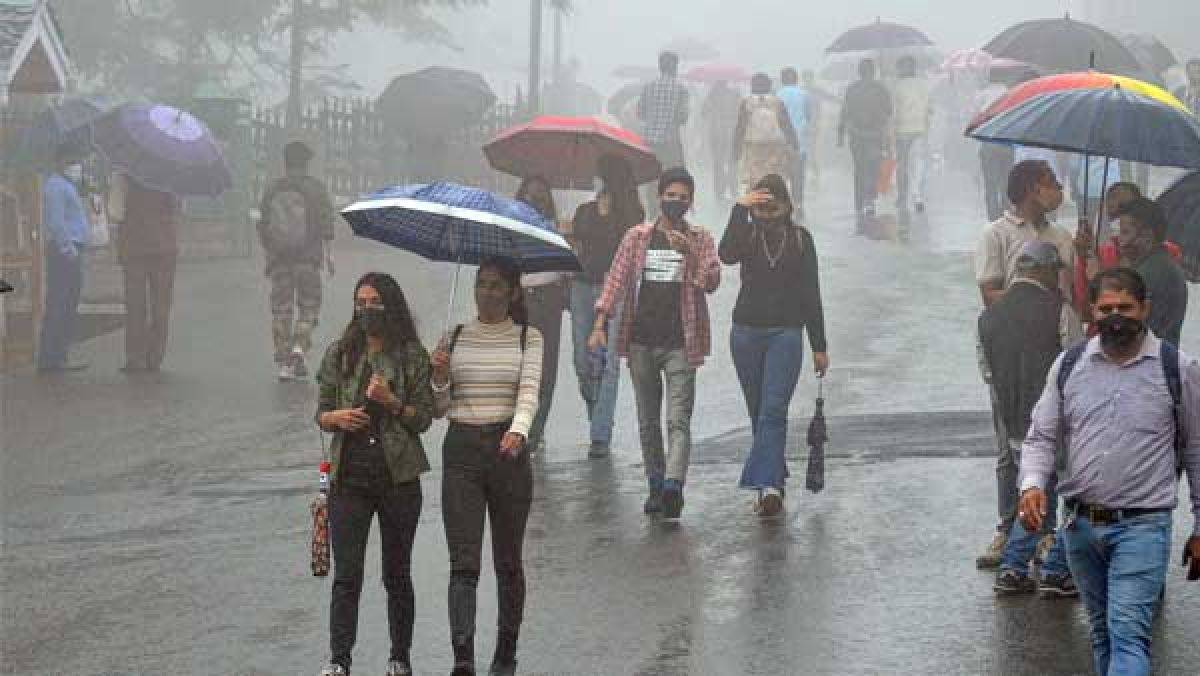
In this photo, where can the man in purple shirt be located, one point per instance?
(1117, 414)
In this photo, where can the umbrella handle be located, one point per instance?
(453, 289)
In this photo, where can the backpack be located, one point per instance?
(288, 220)
(762, 122)
(1168, 356)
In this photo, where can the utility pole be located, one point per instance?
(558, 43)
(535, 56)
(295, 106)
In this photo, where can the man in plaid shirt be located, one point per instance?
(663, 109)
(660, 274)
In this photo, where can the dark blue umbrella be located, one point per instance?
(66, 124)
(165, 149)
(1181, 204)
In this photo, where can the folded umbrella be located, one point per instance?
(165, 149)
(1181, 203)
(565, 151)
(817, 437)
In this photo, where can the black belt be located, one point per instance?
(1109, 515)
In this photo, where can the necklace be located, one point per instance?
(773, 260)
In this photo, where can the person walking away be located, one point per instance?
(1189, 94)
(764, 141)
(147, 248)
(65, 236)
(817, 98)
(1035, 193)
(866, 119)
(296, 232)
(374, 398)
(660, 275)
(486, 376)
(545, 299)
(720, 112)
(663, 110)
(1128, 405)
(800, 106)
(779, 300)
(1022, 333)
(1143, 231)
(910, 128)
(995, 159)
(596, 233)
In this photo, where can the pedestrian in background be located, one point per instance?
(764, 141)
(720, 113)
(65, 236)
(296, 232)
(866, 120)
(147, 248)
(545, 299)
(374, 398)
(1142, 234)
(486, 376)
(780, 299)
(800, 106)
(660, 276)
(910, 128)
(1128, 405)
(596, 233)
(663, 110)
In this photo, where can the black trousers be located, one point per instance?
(365, 488)
(546, 304)
(477, 481)
(867, 153)
(996, 161)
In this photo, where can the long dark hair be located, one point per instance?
(544, 206)
(511, 274)
(621, 188)
(400, 328)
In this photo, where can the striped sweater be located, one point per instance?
(491, 380)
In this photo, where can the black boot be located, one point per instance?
(464, 657)
(462, 621)
(505, 661)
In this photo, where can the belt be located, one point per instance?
(1101, 516)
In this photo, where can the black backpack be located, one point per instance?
(1168, 356)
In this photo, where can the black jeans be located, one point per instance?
(477, 481)
(365, 488)
(867, 152)
(546, 304)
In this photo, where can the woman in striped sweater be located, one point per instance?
(486, 376)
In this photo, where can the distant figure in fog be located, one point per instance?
(663, 110)
(720, 114)
(147, 248)
(800, 105)
(65, 236)
(764, 141)
(296, 232)
(910, 128)
(866, 120)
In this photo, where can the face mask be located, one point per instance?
(1118, 332)
(674, 210)
(74, 172)
(372, 320)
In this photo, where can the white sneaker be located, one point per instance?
(299, 368)
(287, 371)
(772, 502)
(334, 670)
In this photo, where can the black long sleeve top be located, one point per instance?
(786, 295)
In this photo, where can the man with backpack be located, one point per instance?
(296, 229)
(1125, 407)
(764, 141)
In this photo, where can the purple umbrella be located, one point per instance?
(164, 149)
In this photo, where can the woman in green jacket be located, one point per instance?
(376, 401)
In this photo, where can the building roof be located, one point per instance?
(24, 25)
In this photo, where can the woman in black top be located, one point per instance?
(779, 300)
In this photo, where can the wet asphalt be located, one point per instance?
(158, 524)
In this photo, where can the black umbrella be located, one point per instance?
(1153, 54)
(1181, 202)
(66, 124)
(879, 35)
(1066, 45)
(435, 100)
(817, 436)
(5, 287)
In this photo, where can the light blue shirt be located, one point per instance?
(796, 100)
(63, 215)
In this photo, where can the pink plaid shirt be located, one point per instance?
(701, 273)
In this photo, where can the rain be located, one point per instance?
(579, 337)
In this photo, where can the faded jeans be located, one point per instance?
(768, 363)
(1120, 570)
(600, 394)
(64, 282)
(911, 169)
(1022, 544)
(647, 368)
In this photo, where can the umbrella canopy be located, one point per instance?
(165, 149)
(68, 123)
(1067, 81)
(1066, 45)
(709, 73)
(818, 435)
(1148, 49)
(436, 100)
(565, 151)
(455, 223)
(692, 49)
(1114, 123)
(1181, 202)
(879, 35)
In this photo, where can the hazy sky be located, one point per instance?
(760, 34)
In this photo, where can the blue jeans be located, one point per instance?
(1120, 570)
(768, 362)
(600, 394)
(64, 282)
(1022, 544)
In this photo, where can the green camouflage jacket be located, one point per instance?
(407, 374)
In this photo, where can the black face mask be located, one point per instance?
(1118, 332)
(674, 210)
(372, 320)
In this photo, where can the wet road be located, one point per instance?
(158, 525)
